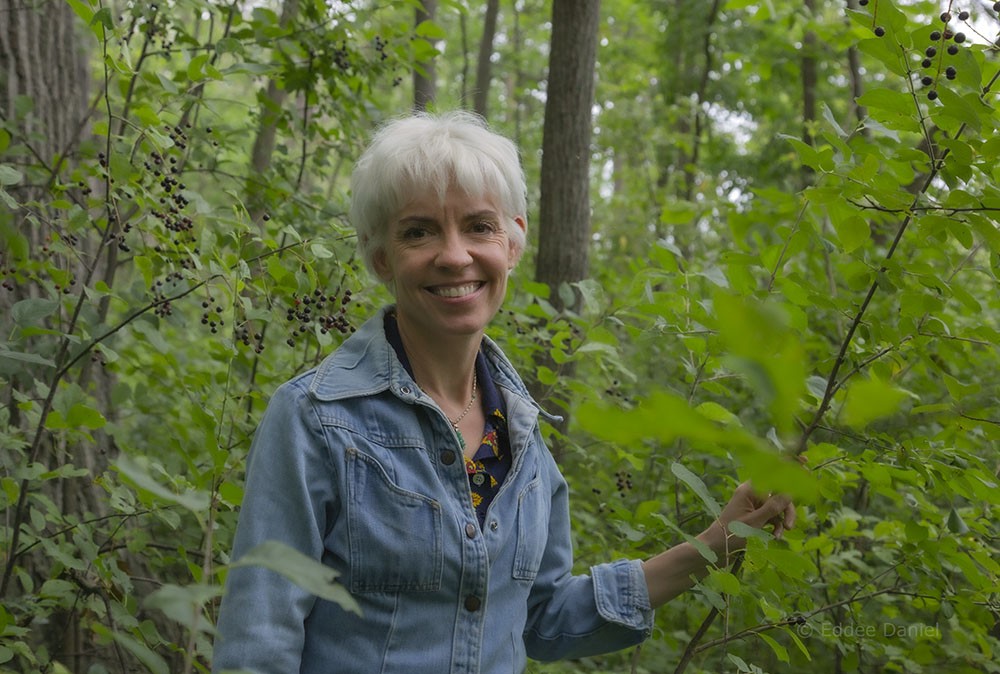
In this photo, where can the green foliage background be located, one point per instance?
(765, 285)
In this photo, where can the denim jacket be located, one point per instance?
(353, 465)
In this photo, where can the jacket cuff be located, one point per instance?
(621, 594)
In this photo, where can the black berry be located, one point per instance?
(879, 31)
(996, 6)
(945, 17)
(927, 80)
(926, 63)
(959, 37)
(930, 51)
(932, 94)
(935, 36)
(950, 72)
(963, 15)
(952, 49)
(862, 2)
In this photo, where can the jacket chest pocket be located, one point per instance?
(532, 530)
(394, 534)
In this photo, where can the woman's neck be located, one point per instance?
(443, 367)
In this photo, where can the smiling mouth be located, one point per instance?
(456, 291)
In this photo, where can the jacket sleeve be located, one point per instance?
(576, 616)
(289, 497)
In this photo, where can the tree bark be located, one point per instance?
(564, 213)
(484, 66)
(564, 209)
(857, 83)
(267, 131)
(809, 77)
(424, 84)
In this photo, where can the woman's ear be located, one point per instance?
(514, 251)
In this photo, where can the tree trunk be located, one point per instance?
(267, 131)
(424, 85)
(485, 66)
(564, 213)
(857, 83)
(42, 59)
(809, 78)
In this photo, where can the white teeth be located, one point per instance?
(456, 291)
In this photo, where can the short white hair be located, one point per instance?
(429, 153)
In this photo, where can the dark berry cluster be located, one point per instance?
(210, 316)
(324, 310)
(341, 57)
(172, 200)
(244, 335)
(934, 54)
(65, 289)
(8, 278)
(380, 46)
(613, 391)
(163, 307)
(624, 482)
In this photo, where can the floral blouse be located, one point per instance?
(491, 462)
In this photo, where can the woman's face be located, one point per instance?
(448, 263)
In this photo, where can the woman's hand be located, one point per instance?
(674, 571)
(752, 509)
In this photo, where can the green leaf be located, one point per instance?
(320, 251)
(194, 72)
(696, 485)
(956, 524)
(184, 604)
(136, 470)
(26, 357)
(852, 231)
(145, 266)
(80, 415)
(778, 649)
(103, 16)
(888, 100)
(9, 175)
(31, 311)
(430, 30)
(869, 400)
(956, 107)
(304, 571)
(716, 412)
(744, 530)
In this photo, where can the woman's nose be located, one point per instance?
(453, 251)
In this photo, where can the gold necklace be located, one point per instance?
(455, 422)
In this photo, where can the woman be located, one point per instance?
(411, 459)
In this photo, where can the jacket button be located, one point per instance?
(405, 390)
(494, 525)
(472, 603)
(447, 457)
(470, 530)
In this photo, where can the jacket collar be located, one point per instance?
(365, 365)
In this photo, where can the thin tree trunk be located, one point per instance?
(564, 213)
(267, 131)
(424, 84)
(484, 66)
(809, 78)
(857, 83)
(462, 22)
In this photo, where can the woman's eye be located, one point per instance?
(414, 233)
(482, 227)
